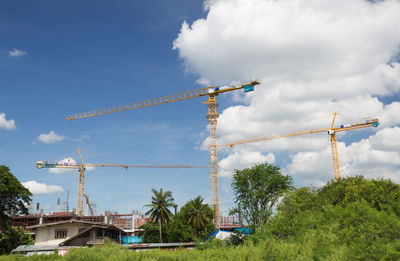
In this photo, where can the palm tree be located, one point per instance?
(199, 214)
(160, 203)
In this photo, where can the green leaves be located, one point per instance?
(160, 203)
(351, 219)
(257, 190)
(13, 196)
(13, 237)
(197, 214)
(193, 221)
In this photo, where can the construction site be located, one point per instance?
(131, 223)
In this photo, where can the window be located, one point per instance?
(60, 233)
(82, 229)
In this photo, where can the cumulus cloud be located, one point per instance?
(50, 137)
(37, 188)
(242, 158)
(6, 124)
(371, 157)
(312, 58)
(16, 52)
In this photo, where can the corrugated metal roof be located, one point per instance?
(32, 248)
(40, 248)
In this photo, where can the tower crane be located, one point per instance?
(212, 116)
(370, 122)
(82, 167)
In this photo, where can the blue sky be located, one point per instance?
(86, 55)
(64, 57)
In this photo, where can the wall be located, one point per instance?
(45, 235)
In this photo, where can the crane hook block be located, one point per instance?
(248, 88)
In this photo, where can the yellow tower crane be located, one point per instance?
(82, 167)
(331, 131)
(212, 115)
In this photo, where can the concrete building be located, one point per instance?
(64, 235)
(75, 233)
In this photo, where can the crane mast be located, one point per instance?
(212, 116)
(212, 120)
(331, 131)
(82, 167)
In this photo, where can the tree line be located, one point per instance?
(353, 218)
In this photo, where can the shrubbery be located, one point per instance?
(351, 219)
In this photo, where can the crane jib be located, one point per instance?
(166, 99)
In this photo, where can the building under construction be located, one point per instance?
(130, 223)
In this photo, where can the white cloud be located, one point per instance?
(242, 158)
(6, 124)
(83, 137)
(41, 188)
(16, 52)
(51, 137)
(312, 58)
(371, 157)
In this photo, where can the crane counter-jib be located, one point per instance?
(45, 164)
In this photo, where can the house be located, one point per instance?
(71, 233)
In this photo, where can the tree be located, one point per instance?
(13, 197)
(12, 238)
(151, 233)
(352, 218)
(160, 203)
(177, 230)
(199, 214)
(257, 190)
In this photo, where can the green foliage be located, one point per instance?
(380, 194)
(31, 258)
(13, 237)
(237, 239)
(160, 203)
(212, 244)
(151, 233)
(199, 216)
(351, 219)
(13, 197)
(193, 221)
(178, 230)
(257, 190)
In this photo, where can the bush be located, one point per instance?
(12, 238)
